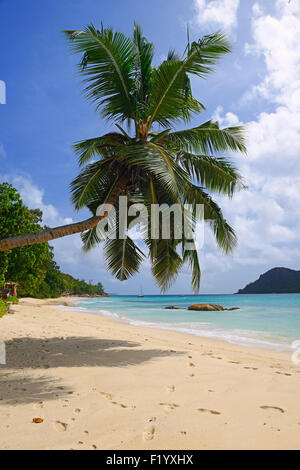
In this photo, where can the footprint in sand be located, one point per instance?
(109, 397)
(250, 368)
(149, 432)
(276, 408)
(233, 362)
(169, 406)
(171, 388)
(283, 373)
(60, 426)
(152, 419)
(204, 410)
(119, 404)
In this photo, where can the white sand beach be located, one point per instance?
(100, 384)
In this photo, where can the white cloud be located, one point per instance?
(33, 197)
(274, 137)
(228, 120)
(267, 215)
(276, 39)
(257, 10)
(222, 13)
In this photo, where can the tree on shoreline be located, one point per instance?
(150, 162)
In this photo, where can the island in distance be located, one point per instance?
(275, 281)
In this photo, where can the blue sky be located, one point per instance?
(257, 85)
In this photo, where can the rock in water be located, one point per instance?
(172, 307)
(206, 308)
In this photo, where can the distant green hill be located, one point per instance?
(275, 281)
(57, 283)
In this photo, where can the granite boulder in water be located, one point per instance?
(206, 308)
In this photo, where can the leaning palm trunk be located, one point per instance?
(64, 230)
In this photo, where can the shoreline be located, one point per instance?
(247, 342)
(102, 384)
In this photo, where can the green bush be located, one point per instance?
(12, 299)
(3, 308)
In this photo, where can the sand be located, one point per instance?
(100, 384)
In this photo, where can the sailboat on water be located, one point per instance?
(141, 293)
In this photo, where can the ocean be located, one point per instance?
(269, 321)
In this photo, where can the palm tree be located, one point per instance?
(149, 162)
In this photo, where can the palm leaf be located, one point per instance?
(102, 146)
(215, 173)
(107, 62)
(191, 257)
(154, 161)
(123, 257)
(170, 78)
(94, 182)
(223, 232)
(143, 69)
(91, 238)
(208, 138)
(166, 264)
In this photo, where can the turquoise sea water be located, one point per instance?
(263, 320)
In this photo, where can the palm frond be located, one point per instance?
(91, 238)
(191, 257)
(143, 69)
(95, 182)
(123, 257)
(223, 232)
(155, 161)
(158, 136)
(170, 78)
(172, 55)
(101, 146)
(215, 173)
(166, 264)
(107, 62)
(169, 100)
(205, 53)
(208, 138)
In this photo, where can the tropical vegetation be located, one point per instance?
(3, 308)
(32, 267)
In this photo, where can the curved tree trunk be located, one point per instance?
(64, 230)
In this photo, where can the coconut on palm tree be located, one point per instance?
(149, 162)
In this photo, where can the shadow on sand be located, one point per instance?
(19, 389)
(35, 354)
